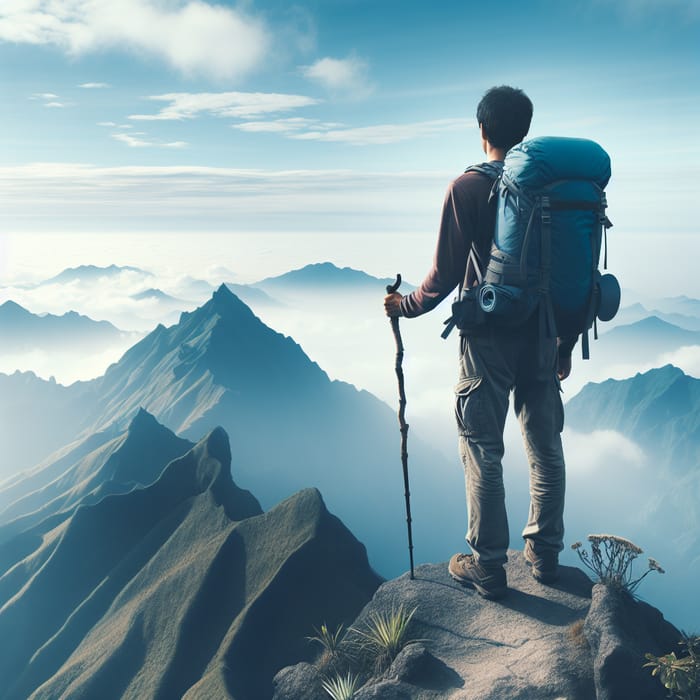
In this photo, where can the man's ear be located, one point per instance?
(483, 132)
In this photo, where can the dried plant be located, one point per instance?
(611, 560)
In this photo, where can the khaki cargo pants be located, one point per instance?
(492, 363)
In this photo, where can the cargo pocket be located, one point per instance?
(469, 406)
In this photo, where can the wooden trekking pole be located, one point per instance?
(403, 426)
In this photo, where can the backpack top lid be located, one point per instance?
(538, 162)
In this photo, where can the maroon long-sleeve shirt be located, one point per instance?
(467, 217)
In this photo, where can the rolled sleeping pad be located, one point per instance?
(501, 300)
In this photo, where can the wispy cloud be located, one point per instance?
(288, 127)
(316, 130)
(94, 86)
(386, 133)
(188, 105)
(344, 75)
(70, 196)
(49, 99)
(193, 36)
(137, 140)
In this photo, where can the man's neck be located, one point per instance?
(493, 153)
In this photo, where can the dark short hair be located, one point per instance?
(505, 113)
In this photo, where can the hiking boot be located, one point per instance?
(543, 565)
(489, 581)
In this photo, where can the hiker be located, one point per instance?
(496, 359)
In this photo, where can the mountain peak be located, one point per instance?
(217, 445)
(143, 420)
(13, 310)
(325, 275)
(225, 302)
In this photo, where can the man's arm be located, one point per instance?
(448, 267)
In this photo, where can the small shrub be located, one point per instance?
(330, 642)
(341, 687)
(385, 634)
(611, 560)
(680, 676)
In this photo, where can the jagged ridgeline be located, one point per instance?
(180, 588)
(290, 425)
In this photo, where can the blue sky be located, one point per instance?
(329, 116)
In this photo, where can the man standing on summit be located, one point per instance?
(495, 359)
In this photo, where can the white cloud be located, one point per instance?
(385, 133)
(94, 86)
(687, 358)
(108, 124)
(50, 99)
(194, 36)
(316, 130)
(73, 196)
(283, 126)
(188, 105)
(348, 75)
(588, 452)
(136, 141)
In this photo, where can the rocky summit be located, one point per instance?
(572, 640)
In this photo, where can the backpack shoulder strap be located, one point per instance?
(492, 170)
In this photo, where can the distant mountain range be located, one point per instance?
(92, 273)
(22, 330)
(291, 426)
(323, 277)
(659, 409)
(38, 417)
(642, 342)
(180, 588)
(638, 312)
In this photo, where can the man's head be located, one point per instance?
(504, 115)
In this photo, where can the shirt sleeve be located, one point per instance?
(449, 262)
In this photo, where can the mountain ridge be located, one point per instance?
(194, 576)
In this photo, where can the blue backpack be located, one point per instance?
(550, 226)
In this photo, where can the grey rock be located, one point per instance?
(300, 682)
(620, 631)
(539, 643)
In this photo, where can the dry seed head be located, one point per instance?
(622, 541)
(655, 566)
